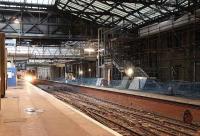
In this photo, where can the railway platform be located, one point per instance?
(168, 106)
(28, 111)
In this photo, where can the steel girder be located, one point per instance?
(37, 24)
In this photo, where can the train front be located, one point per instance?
(30, 76)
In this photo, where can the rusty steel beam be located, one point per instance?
(3, 65)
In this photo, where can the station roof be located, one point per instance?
(127, 13)
(132, 13)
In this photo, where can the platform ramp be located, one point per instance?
(124, 83)
(137, 83)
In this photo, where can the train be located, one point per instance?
(30, 75)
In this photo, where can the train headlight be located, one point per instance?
(30, 78)
(33, 78)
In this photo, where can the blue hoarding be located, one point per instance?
(11, 74)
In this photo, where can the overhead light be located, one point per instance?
(81, 72)
(89, 50)
(89, 70)
(100, 50)
(16, 21)
(129, 72)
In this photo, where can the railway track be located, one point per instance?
(124, 120)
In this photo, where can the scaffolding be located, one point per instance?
(166, 50)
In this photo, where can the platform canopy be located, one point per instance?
(38, 2)
(23, 5)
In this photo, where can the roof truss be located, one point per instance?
(117, 13)
(126, 13)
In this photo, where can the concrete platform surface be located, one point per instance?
(29, 111)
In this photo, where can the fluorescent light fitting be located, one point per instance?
(89, 50)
